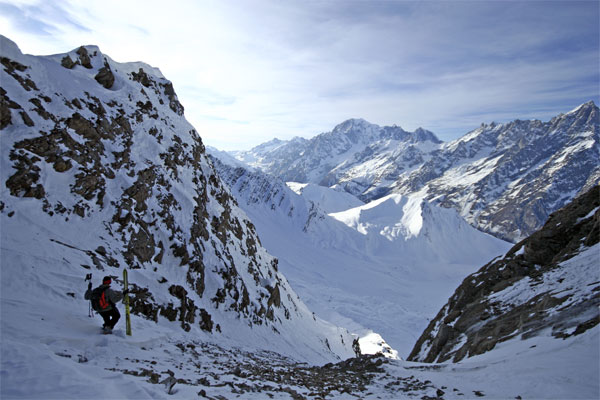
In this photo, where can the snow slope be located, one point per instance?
(329, 200)
(376, 269)
(529, 368)
(423, 234)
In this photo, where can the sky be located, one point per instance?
(249, 71)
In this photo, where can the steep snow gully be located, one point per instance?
(241, 287)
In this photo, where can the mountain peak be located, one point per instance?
(586, 117)
(584, 108)
(350, 124)
(269, 146)
(274, 141)
(422, 135)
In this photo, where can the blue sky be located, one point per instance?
(249, 71)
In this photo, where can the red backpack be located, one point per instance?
(99, 300)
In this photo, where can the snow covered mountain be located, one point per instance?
(547, 285)
(505, 179)
(100, 171)
(360, 157)
(377, 269)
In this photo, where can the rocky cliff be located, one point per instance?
(546, 284)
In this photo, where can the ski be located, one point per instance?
(126, 302)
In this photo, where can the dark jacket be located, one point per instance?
(113, 296)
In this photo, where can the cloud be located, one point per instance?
(38, 18)
(247, 72)
(25, 22)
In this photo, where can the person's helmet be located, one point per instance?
(106, 280)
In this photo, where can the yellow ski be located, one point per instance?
(126, 302)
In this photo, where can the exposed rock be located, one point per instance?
(207, 369)
(24, 182)
(142, 302)
(174, 103)
(5, 105)
(83, 127)
(275, 299)
(141, 245)
(14, 69)
(84, 57)
(39, 108)
(474, 320)
(142, 77)
(206, 322)
(105, 76)
(89, 184)
(158, 258)
(12, 66)
(187, 309)
(61, 165)
(26, 119)
(67, 62)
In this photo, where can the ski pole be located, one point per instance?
(88, 277)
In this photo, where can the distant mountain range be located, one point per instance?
(504, 179)
(356, 155)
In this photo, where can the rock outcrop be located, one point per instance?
(105, 76)
(547, 281)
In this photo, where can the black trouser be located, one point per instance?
(111, 317)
